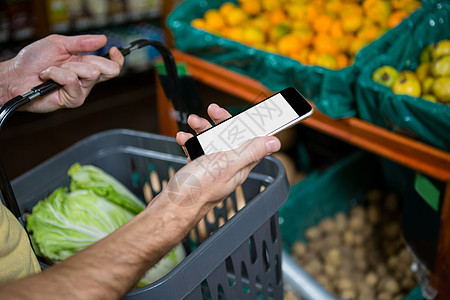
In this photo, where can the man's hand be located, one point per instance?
(61, 59)
(215, 112)
(217, 175)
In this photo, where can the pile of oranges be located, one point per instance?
(327, 33)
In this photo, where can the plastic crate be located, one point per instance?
(342, 186)
(239, 260)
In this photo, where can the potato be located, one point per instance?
(313, 233)
(374, 196)
(330, 270)
(389, 285)
(333, 257)
(313, 267)
(357, 223)
(373, 214)
(333, 240)
(391, 203)
(327, 225)
(358, 211)
(348, 294)
(349, 237)
(299, 249)
(288, 295)
(371, 279)
(391, 230)
(384, 296)
(341, 221)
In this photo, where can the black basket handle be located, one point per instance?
(7, 109)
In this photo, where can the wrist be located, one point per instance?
(6, 77)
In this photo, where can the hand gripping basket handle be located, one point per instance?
(7, 109)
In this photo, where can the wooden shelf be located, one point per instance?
(413, 154)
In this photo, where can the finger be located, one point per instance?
(116, 56)
(254, 150)
(251, 153)
(73, 93)
(217, 113)
(108, 68)
(182, 137)
(83, 43)
(87, 73)
(198, 124)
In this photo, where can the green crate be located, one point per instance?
(323, 193)
(413, 117)
(331, 90)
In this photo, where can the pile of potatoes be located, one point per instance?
(360, 254)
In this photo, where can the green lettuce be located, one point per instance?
(92, 178)
(65, 223)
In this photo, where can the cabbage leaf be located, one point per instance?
(101, 183)
(65, 223)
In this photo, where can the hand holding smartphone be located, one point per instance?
(268, 117)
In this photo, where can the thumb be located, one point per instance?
(84, 43)
(256, 149)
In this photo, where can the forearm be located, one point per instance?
(111, 267)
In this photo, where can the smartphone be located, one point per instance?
(268, 117)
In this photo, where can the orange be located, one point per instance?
(296, 11)
(198, 23)
(278, 16)
(357, 45)
(399, 4)
(311, 13)
(312, 58)
(236, 16)
(302, 55)
(251, 7)
(351, 23)
(349, 9)
(325, 44)
(253, 35)
(261, 22)
(396, 18)
(336, 30)
(236, 33)
(277, 32)
(270, 47)
(289, 44)
(369, 32)
(225, 8)
(342, 60)
(333, 6)
(326, 61)
(270, 5)
(304, 35)
(323, 23)
(213, 20)
(412, 6)
(300, 25)
(379, 12)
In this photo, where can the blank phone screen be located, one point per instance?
(265, 118)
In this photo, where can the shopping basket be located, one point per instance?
(239, 257)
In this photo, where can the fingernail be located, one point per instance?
(273, 145)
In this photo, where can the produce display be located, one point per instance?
(327, 33)
(97, 204)
(362, 254)
(430, 80)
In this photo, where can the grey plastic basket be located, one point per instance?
(239, 260)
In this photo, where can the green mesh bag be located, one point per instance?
(410, 116)
(331, 90)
